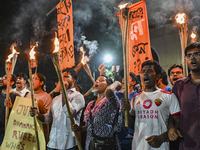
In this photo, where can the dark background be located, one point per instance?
(26, 21)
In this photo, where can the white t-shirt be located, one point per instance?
(22, 93)
(152, 111)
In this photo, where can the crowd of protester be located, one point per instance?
(160, 115)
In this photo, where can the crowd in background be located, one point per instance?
(160, 116)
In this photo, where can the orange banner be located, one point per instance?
(138, 40)
(65, 33)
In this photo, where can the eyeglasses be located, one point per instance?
(195, 55)
(35, 78)
(177, 73)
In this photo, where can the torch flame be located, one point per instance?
(56, 43)
(180, 18)
(83, 56)
(122, 6)
(32, 53)
(193, 35)
(12, 55)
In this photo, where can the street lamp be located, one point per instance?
(107, 58)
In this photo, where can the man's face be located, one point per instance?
(37, 84)
(193, 59)
(148, 76)
(68, 80)
(100, 84)
(20, 83)
(175, 74)
(3, 82)
(131, 81)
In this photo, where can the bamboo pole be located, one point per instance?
(8, 68)
(78, 67)
(124, 19)
(87, 69)
(14, 60)
(183, 32)
(33, 102)
(55, 60)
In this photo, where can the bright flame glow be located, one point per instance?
(56, 43)
(83, 61)
(32, 53)
(193, 35)
(12, 55)
(180, 18)
(122, 6)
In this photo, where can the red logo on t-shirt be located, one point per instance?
(147, 104)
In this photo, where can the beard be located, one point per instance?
(3, 87)
(69, 86)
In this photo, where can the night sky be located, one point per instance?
(26, 21)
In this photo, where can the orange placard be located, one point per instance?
(138, 40)
(65, 33)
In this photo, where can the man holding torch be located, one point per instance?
(3, 87)
(44, 100)
(61, 136)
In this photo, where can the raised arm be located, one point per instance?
(112, 88)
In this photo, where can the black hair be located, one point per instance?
(42, 78)
(22, 75)
(56, 80)
(175, 66)
(134, 77)
(163, 76)
(192, 46)
(79, 88)
(14, 79)
(108, 80)
(155, 64)
(72, 73)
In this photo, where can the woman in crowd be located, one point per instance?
(103, 117)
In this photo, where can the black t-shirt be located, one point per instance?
(2, 109)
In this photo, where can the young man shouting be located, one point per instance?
(152, 109)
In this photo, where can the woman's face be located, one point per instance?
(100, 85)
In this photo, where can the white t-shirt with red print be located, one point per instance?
(152, 111)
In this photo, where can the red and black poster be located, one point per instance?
(65, 33)
(138, 40)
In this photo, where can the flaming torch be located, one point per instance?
(183, 33)
(124, 13)
(85, 65)
(83, 61)
(193, 37)
(55, 58)
(9, 67)
(32, 64)
(14, 59)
